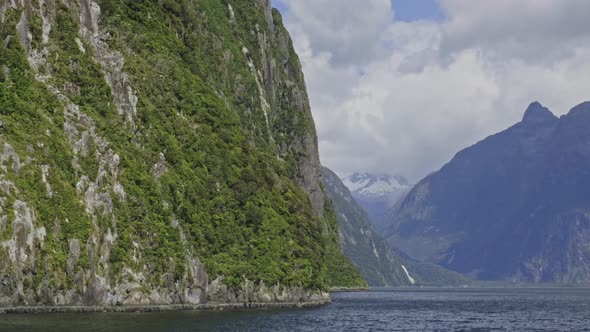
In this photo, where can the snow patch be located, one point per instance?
(378, 189)
(354, 186)
(374, 185)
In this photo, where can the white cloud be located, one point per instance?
(410, 95)
(532, 29)
(349, 30)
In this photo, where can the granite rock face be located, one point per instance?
(512, 207)
(115, 185)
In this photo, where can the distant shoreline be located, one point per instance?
(160, 308)
(353, 289)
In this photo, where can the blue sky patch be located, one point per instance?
(280, 6)
(405, 10)
(414, 10)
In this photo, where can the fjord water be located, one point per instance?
(475, 309)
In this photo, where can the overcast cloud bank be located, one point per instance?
(403, 97)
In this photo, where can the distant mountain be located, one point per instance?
(376, 260)
(514, 206)
(376, 193)
(365, 248)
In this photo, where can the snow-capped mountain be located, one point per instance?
(376, 193)
(375, 186)
(367, 250)
(377, 261)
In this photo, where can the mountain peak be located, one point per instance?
(537, 113)
(527, 185)
(380, 187)
(362, 181)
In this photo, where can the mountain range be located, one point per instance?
(514, 206)
(371, 253)
(376, 193)
(378, 262)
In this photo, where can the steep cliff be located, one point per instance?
(368, 251)
(157, 152)
(512, 207)
(377, 261)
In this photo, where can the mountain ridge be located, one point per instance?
(367, 250)
(378, 262)
(492, 210)
(376, 193)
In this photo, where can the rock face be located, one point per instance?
(377, 194)
(513, 206)
(157, 152)
(377, 261)
(367, 250)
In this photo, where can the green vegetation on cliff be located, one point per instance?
(178, 129)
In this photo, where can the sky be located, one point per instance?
(400, 86)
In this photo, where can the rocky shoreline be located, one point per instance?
(160, 308)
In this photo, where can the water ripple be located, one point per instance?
(524, 309)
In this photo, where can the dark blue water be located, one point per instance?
(555, 309)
